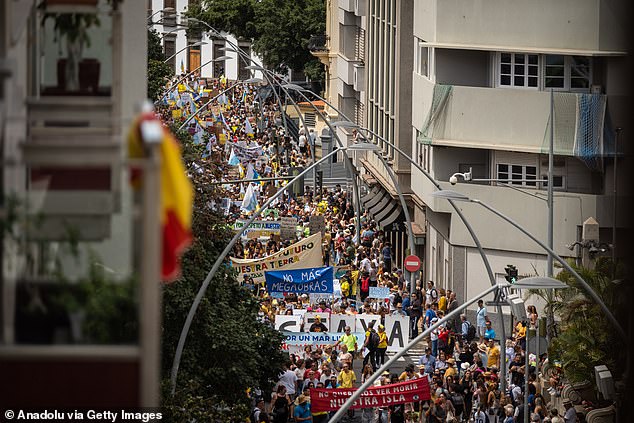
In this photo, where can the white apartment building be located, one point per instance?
(462, 85)
(196, 46)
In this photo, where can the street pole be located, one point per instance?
(402, 352)
(614, 182)
(216, 266)
(549, 262)
(410, 229)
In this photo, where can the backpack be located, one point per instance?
(374, 340)
(434, 295)
(471, 332)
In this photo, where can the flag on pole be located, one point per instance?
(250, 201)
(182, 66)
(250, 173)
(248, 128)
(177, 195)
(233, 159)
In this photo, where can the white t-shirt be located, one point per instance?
(288, 379)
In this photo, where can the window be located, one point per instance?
(519, 70)
(545, 71)
(558, 181)
(567, 72)
(521, 175)
(170, 49)
(309, 118)
(421, 58)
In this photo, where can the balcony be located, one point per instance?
(567, 25)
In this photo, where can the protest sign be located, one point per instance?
(258, 228)
(314, 280)
(295, 342)
(362, 321)
(317, 224)
(305, 253)
(376, 396)
(288, 323)
(338, 322)
(380, 292)
(288, 228)
(397, 329)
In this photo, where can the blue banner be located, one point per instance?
(314, 280)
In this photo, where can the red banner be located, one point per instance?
(376, 396)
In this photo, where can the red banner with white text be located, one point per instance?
(376, 396)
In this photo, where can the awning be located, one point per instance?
(378, 210)
(397, 216)
(376, 199)
(374, 191)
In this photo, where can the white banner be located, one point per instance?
(397, 329)
(362, 321)
(303, 254)
(288, 323)
(338, 322)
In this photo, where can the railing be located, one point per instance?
(318, 43)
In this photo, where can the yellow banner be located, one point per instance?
(303, 254)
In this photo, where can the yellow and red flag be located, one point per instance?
(177, 196)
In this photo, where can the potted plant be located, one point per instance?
(73, 72)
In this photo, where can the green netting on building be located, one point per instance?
(438, 105)
(581, 128)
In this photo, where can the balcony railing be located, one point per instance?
(318, 43)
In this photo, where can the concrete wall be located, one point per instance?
(563, 24)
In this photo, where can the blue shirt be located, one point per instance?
(428, 362)
(303, 411)
(429, 314)
(406, 304)
(489, 334)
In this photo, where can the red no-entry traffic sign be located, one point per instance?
(412, 263)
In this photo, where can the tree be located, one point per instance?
(157, 71)
(587, 339)
(280, 29)
(228, 350)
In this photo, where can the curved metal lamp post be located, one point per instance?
(196, 44)
(456, 196)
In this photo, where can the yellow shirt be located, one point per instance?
(494, 356)
(521, 330)
(345, 288)
(355, 280)
(382, 339)
(451, 371)
(346, 379)
(349, 341)
(442, 303)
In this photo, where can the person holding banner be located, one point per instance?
(382, 347)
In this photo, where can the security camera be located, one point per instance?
(453, 180)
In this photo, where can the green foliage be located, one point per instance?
(587, 339)
(227, 350)
(280, 29)
(154, 47)
(157, 71)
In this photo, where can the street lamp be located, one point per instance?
(169, 10)
(218, 262)
(204, 106)
(538, 282)
(456, 196)
(196, 44)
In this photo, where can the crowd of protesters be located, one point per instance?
(462, 360)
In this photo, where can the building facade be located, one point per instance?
(189, 45)
(463, 87)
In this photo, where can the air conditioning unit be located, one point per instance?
(596, 89)
(358, 77)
